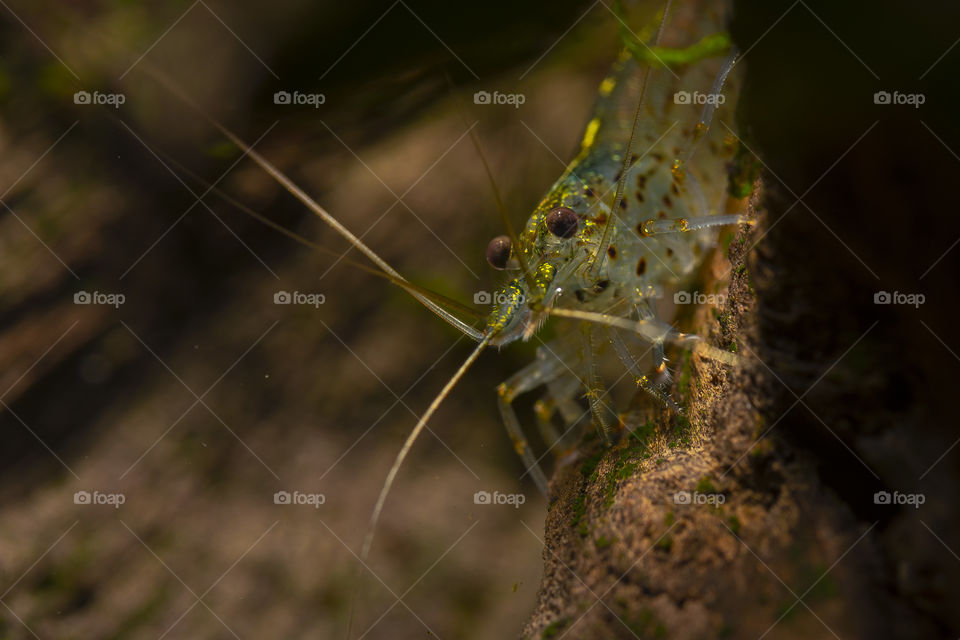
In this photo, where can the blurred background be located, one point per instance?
(184, 391)
(156, 402)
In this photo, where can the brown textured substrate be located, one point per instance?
(627, 556)
(841, 401)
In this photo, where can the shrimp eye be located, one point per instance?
(498, 252)
(562, 222)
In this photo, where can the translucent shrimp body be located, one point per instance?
(613, 233)
(651, 243)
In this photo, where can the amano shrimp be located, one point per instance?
(612, 234)
(629, 218)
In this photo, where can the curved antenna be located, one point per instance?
(501, 207)
(398, 462)
(598, 258)
(404, 284)
(502, 210)
(312, 205)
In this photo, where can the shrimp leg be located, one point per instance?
(547, 367)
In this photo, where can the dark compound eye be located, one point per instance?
(562, 222)
(498, 252)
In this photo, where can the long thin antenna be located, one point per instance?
(501, 207)
(410, 287)
(407, 445)
(598, 258)
(311, 204)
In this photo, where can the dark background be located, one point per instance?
(85, 397)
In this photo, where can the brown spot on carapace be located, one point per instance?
(589, 192)
(675, 189)
(612, 252)
(639, 196)
(641, 266)
(623, 203)
(601, 218)
(669, 252)
(661, 214)
(667, 202)
(641, 181)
